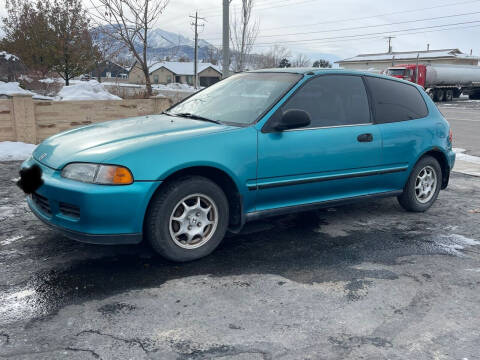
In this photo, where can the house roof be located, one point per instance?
(181, 68)
(410, 55)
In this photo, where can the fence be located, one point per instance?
(31, 121)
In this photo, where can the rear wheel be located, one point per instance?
(188, 219)
(440, 95)
(449, 95)
(423, 185)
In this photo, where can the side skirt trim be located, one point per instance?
(317, 205)
(325, 178)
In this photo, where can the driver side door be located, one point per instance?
(337, 156)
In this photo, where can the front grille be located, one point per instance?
(42, 203)
(69, 210)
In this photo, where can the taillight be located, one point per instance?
(450, 136)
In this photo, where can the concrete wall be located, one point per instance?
(30, 121)
(382, 65)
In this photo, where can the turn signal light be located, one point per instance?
(450, 137)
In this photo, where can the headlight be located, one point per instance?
(98, 174)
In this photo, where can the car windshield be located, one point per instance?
(396, 72)
(237, 100)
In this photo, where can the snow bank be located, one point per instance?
(10, 150)
(11, 88)
(85, 90)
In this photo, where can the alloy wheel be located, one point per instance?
(193, 221)
(425, 184)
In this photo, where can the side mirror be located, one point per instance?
(292, 119)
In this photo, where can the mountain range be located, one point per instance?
(164, 44)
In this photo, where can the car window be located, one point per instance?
(332, 100)
(395, 101)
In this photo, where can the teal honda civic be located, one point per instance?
(257, 144)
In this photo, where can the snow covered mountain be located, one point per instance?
(163, 44)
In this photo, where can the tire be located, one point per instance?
(441, 95)
(161, 226)
(449, 95)
(410, 199)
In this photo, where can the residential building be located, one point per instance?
(109, 70)
(381, 61)
(178, 72)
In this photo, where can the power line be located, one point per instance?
(216, 13)
(362, 27)
(354, 37)
(382, 37)
(369, 17)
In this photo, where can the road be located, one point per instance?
(367, 280)
(360, 281)
(464, 117)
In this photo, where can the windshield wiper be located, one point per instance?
(195, 117)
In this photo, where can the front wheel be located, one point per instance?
(423, 185)
(188, 219)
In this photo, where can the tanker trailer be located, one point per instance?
(441, 82)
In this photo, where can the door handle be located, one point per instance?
(365, 138)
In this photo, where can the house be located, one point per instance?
(178, 72)
(11, 67)
(108, 70)
(381, 61)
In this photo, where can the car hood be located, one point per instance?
(99, 142)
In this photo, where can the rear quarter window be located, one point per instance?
(395, 101)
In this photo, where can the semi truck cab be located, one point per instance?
(409, 72)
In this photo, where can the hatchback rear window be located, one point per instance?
(395, 101)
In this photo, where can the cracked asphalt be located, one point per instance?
(363, 281)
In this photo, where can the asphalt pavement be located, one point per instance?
(363, 281)
(464, 118)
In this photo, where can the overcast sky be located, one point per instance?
(341, 27)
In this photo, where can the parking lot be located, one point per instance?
(367, 280)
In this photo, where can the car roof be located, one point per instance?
(318, 71)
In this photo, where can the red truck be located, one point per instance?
(441, 82)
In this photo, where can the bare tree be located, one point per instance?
(301, 60)
(129, 21)
(243, 33)
(272, 57)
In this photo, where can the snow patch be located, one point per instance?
(175, 87)
(460, 155)
(10, 240)
(453, 243)
(8, 56)
(85, 90)
(11, 150)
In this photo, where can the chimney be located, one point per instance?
(471, 52)
(428, 47)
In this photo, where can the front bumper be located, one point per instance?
(100, 214)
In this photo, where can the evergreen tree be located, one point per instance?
(28, 34)
(284, 63)
(322, 64)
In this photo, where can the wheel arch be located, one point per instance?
(220, 177)
(441, 157)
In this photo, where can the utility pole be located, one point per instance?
(390, 43)
(226, 38)
(195, 62)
